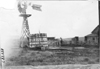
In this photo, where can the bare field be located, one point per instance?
(67, 66)
(55, 57)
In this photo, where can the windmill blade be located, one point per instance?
(22, 7)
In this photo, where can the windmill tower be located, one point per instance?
(25, 30)
(25, 27)
(25, 33)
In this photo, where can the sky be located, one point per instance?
(58, 19)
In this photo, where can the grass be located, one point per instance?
(55, 57)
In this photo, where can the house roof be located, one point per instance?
(96, 30)
(91, 35)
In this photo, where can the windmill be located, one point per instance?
(25, 33)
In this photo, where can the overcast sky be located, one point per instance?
(58, 18)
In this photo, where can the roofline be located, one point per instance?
(95, 29)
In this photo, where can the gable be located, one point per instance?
(96, 30)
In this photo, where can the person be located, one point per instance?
(61, 41)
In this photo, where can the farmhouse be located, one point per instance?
(92, 39)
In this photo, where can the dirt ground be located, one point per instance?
(67, 66)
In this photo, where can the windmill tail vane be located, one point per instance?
(36, 7)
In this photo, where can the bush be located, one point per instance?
(86, 59)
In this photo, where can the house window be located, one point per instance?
(93, 38)
(85, 38)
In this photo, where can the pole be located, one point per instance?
(2, 58)
(99, 30)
